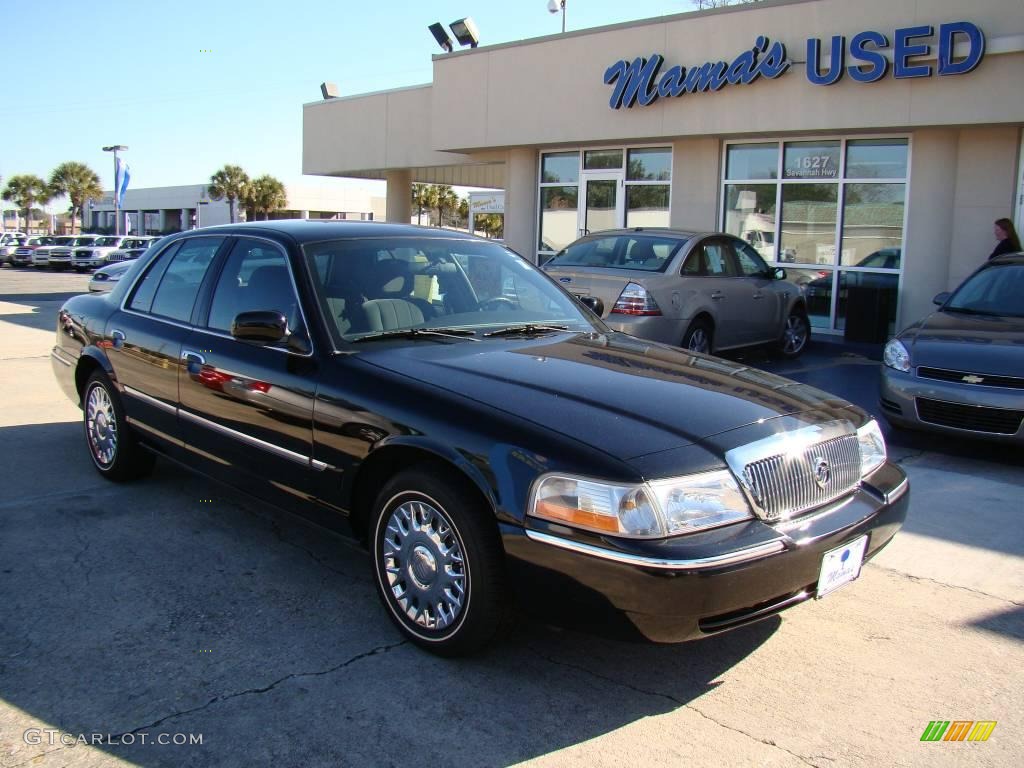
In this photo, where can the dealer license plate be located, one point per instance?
(841, 566)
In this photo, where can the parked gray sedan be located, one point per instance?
(706, 292)
(961, 369)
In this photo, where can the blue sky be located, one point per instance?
(192, 86)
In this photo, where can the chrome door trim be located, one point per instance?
(153, 431)
(255, 442)
(156, 403)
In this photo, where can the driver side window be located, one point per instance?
(751, 263)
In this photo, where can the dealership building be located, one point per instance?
(159, 210)
(865, 147)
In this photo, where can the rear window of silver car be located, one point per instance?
(648, 253)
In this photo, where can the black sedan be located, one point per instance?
(961, 369)
(482, 432)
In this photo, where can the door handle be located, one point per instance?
(717, 295)
(193, 361)
(117, 337)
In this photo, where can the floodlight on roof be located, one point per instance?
(329, 90)
(437, 30)
(465, 32)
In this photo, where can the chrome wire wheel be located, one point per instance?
(423, 564)
(794, 337)
(101, 426)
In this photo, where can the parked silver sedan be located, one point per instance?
(706, 292)
(104, 279)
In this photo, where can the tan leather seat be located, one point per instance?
(391, 314)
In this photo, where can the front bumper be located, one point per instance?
(700, 584)
(898, 399)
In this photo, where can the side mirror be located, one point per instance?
(264, 327)
(941, 299)
(778, 273)
(593, 303)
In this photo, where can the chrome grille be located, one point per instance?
(788, 474)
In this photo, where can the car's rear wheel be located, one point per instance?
(112, 445)
(795, 335)
(699, 337)
(438, 562)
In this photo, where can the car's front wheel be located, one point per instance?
(438, 562)
(112, 445)
(795, 335)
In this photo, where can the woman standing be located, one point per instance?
(1007, 237)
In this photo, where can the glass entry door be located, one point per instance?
(602, 204)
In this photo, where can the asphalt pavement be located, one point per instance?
(177, 610)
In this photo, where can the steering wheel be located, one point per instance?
(498, 302)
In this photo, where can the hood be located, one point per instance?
(622, 395)
(973, 343)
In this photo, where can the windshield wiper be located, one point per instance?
(420, 333)
(528, 329)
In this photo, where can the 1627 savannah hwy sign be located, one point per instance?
(642, 81)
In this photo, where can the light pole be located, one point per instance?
(554, 6)
(115, 148)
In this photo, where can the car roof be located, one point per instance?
(316, 230)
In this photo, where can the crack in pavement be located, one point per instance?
(381, 649)
(680, 702)
(912, 577)
(34, 758)
(279, 534)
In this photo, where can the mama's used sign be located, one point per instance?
(642, 81)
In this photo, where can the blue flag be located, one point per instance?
(121, 177)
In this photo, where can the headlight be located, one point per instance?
(896, 355)
(872, 448)
(645, 511)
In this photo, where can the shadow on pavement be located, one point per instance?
(1009, 623)
(175, 605)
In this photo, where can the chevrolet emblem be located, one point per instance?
(972, 379)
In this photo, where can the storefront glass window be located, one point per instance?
(817, 287)
(558, 217)
(653, 164)
(753, 161)
(647, 205)
(750, 215)
(560, 167)
(808, 223)
(873, 225)
(876, 159)
(812, 160)
(601, 159)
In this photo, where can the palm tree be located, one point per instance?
(78, 182)
(229, 183)
(265, 195)
(25, 191)
(447, 201)
(424, 197)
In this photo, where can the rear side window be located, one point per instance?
(716, 259)
(180, 284)
(142, 299)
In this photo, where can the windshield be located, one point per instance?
(996, 290)
(648, 253)
(372, 285)
(85, 241)
(40, 241)
(63, 240)
(108, 242)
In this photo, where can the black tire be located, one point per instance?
(121, 458)
(422, 522)
(699, 337)
(795, 335)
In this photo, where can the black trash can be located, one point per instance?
(868, 314)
